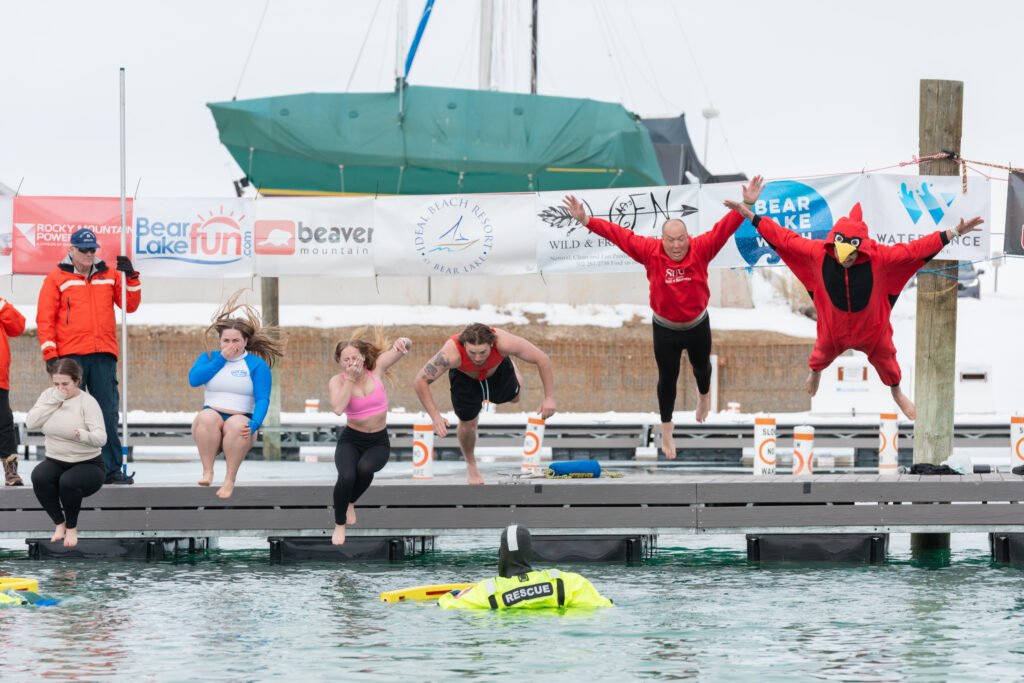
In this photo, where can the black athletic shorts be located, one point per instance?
(468, 394)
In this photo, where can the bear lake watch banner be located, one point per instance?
(470, 234)
(1013, 239)
(565, 246)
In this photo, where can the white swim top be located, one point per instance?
(231, 388)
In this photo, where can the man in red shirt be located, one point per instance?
(480, 369)
(677, 269)
(75, 318)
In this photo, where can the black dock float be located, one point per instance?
(356, 548)
(818, 548)
(593, 547)
(118, 548)
(1007, 548)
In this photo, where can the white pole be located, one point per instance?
(423, 450)
(532, 441)
(888, 449)
(803, 449)
(400, 57)
(1016, 440)
(124, 305)
(486, 36)
(764, 445)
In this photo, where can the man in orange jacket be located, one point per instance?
(75, 317)
(12, 323)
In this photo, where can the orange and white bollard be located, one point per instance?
(764, 445)
(1016, 440)
(803, 449)
(888, 450)
(423, 451)
(531, 445)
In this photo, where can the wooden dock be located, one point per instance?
(637, 504)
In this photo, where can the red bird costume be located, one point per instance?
(853, 304)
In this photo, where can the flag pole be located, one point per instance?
(124, 306)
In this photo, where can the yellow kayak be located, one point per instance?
(14, 583)
(423, 592)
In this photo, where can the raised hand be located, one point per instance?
(752, 191)
(403, 345)
(740, 208)
(575, 208)
(970, 226)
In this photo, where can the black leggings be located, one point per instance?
(357, 456)
(668, 350)
(62, 485)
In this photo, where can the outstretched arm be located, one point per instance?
(397, 351)
(512, 345)
(435, 367)
(904, 260)
(636, 247)
(730, 223)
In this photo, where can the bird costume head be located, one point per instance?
(848, 235)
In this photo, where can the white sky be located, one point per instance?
(804, 87)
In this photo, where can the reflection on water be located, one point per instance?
(697, 610)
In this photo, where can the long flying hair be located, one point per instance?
(260, 341)
(369, 350)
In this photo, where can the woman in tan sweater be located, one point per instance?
(72, 425)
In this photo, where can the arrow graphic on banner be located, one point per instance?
(28, 231)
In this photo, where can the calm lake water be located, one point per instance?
(698, 609)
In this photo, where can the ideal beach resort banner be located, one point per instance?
(491, 234)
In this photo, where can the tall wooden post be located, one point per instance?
(272, 440)
(940, 127)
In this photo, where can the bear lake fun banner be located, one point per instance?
(465, 235)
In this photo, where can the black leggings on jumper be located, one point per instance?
(357, 456)
(60, 486)
(669, 345)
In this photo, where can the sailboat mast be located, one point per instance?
(400, 58)
(533, 51)
(486, 38)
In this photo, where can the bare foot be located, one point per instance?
(338, 537)
(905, 404)
(71, 540)
(811, 383)
(350, 518)
(473, 475)
(703, 406)
(59, 532)
(668, 444)
(226, 490)
(206, 479)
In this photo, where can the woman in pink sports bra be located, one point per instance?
(364, 447)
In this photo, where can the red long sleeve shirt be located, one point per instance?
(679, 290)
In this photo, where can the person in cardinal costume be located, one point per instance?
(854, 282)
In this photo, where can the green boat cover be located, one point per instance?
(448, 140)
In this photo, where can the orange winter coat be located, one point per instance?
(12, 323)
(75, 314)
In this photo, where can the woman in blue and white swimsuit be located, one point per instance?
(237, 383)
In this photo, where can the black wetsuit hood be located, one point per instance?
(514, 558)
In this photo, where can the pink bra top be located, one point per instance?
(365, 406)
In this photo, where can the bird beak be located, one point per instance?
(843, 250)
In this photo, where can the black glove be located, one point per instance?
(51, 365)
(124, 264)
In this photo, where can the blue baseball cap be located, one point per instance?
(84, 238)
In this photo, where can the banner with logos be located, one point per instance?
(809, 207)
(1013, 238)
(455, 235)
(6, 235)
(328, 236)
(900, 209)
(43, 227)
(193, 237)
(565, 246)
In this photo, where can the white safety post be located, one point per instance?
(531, 445)
(124, 301)
(888, 450)
(764, 446)
(1016, 440)
(312, 405)
(423, 451)
(803, 449)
